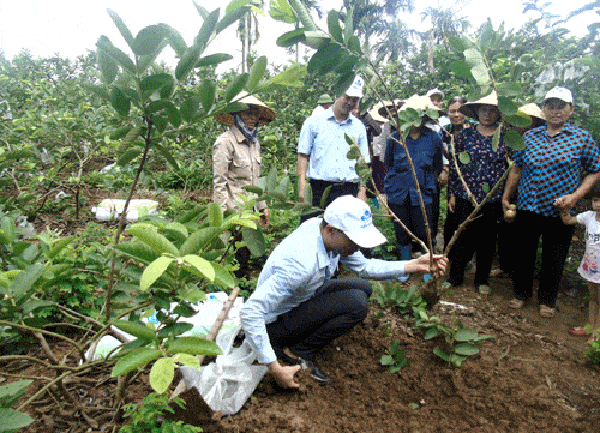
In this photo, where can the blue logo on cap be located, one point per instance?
(366, 219)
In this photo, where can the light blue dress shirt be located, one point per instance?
(294, 273)
(322, 139)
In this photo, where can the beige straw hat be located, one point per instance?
(266, 114)
(418, 102)
(379, 112)
(532, 110)
(470, 108)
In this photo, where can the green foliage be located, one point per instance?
(10, 419)
(150, 416)
(593, 349)
(395, 357)
(460, 341)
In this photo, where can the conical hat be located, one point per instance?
(379, 111)
(470, 108)
(266, 114)
(533, 110)
(418, 102)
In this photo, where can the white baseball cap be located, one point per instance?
(435, 91)
(356, 89)
(561, 93)
(353, 217)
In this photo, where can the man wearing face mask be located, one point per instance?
(236, 159)
(322, 149)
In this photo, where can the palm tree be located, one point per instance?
(370, 17)
(395, 40)
(444, 23)
(248, 30)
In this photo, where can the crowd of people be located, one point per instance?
(299, 306)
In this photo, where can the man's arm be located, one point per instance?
(384, 269)
(302, 166)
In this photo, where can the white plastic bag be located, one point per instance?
(228, 382)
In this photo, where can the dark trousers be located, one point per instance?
(338, 189)
(412, 217)
(478, 237)
(336, 308)
(556, 240)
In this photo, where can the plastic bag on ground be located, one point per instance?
(228, 382)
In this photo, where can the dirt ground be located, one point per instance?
(531, 377)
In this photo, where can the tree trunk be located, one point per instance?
(430, 52)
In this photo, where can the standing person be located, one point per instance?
(388, 127)
(486, 166)
(236, 160)
(458, 121)
(590, 263)
(505, 238)
(323, 104)
(323, 149)
(425, 149)
(547, 177)
(297, 309)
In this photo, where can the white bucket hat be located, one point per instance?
(353, 217)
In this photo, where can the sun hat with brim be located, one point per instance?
(353, 217)
(435, 91)
(266, 114)
(532, 110)
(325, 99)
(419, 102)
(379, 111)
(470, 108)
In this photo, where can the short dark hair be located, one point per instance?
(594, 192)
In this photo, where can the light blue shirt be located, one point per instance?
(294, 273)
(322, 139)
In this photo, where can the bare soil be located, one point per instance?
(533, 376)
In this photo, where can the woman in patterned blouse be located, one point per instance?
(558, 167)
(484, 169)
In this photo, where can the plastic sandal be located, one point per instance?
(517, 304)
(579, 331)
(547, 312)
(484, 289)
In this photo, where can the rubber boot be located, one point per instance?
(404, 255)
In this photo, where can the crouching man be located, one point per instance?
(297, 308)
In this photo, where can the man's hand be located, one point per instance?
(284, 376)
(421, 265)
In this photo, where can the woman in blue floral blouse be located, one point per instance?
(484, 169)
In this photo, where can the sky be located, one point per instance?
(71, 27)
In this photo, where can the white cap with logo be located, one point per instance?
(561, 93)
(356, 89)
(353, 217)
